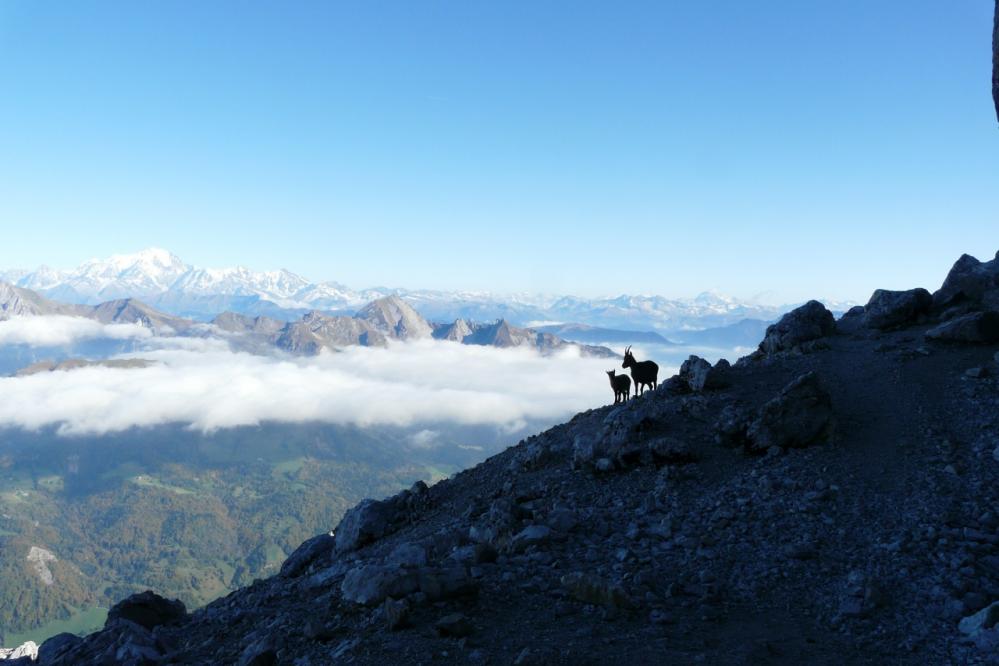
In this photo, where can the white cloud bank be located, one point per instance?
(210, 387)
(62, 330)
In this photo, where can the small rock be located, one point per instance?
(596, 591)
(532, 535)
(977, 327)
(396, 613)
(455, 625)
(983, 619)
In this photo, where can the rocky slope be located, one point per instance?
(832, 498)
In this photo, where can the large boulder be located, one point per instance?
(307, 553)
(700, 375)
(372, 519)
(976, 327)
(970, 281)
(54, 647)
(891, 309)
(371, 584)
(147, 609)
(800, 415)
(809, 322)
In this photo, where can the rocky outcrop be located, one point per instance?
(970, 282)
(890, 309)
(700, 375)
(799, 416)
(22, 654)
(239, 323)
(502, 334)
(976, 327)
(307, 553)
(804, 324)
(995, 59)
(456, 331)
(395, 318)
(373, 519)
(316, 331)
(147, 609)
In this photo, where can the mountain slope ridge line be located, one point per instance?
(828, 499)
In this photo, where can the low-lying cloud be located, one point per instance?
(63, 330)
(208, 386)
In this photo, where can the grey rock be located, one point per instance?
(56, 646)
(371, 520)
(701, 376)
(395, 318)
(983, 619)
(396, 613)
(370, 584)
(408, 555)
(22, 654)
(447, 583)
(890, 309)
(969, 281)
(455, 625)
(532, 535)
(597, 591)
(803, 324)
(670, 450)
(260, 653)
(976, 327)
(563, 520)
(852, 320)
(799, 416)
(147, 609)
(307, 553)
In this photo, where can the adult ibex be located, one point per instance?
(621, 385)
(643, 373)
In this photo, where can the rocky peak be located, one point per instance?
(395, 318)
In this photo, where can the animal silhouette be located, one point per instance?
(643, 373)
(621, 385)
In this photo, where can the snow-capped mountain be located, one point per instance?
(164, 281)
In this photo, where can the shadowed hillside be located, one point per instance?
(828, 499)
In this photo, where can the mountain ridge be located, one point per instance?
(384, 319)
(163, 280)
(828, 499)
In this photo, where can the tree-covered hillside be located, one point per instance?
(192, 514)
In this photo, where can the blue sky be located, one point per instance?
(798, 148)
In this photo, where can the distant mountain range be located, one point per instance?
(168, 284)
(384, 319)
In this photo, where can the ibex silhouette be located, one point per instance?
(643, 373)
(621, 385)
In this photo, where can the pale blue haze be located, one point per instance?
(796, 147)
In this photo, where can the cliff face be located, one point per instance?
(828, 499)
(995, 60)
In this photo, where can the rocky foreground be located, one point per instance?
(832, 498)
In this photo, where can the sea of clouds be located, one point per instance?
(203, 383)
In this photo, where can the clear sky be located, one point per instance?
(789, 146)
